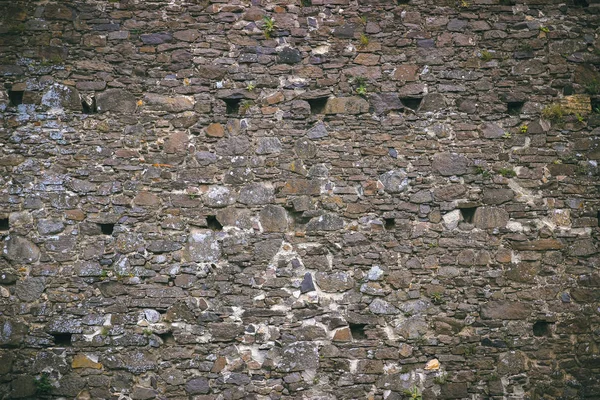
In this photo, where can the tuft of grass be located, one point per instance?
(544, 29)
(147, 332)
(479, 170)
(523, 128)
(268, 27)
(441, 379)
(414, 393)
(43, 385)
(364, 41)
(245, 106)
(436, 298)
(507, 135)
(486, 56)
(593, 87)
(250, 87)
(507, 172)
(553, 113)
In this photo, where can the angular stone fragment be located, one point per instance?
(255, 194)
(305, 149)
(156, 38)
(583, 248)
(492, 131)
(30, 289)
(268, 145)
(395, 181)
(233, 146)
(273, 219)
(497, 196)
(318, 131)
(169, 104)
(490, 217)
(307, 284)
(450, 192)
(49, 227)
(20, 250)
(12, 332)
(176, 143)
(202, 246)
(325, 222)
(116, 100)
(335, 282)
(146, 199)
(502, 309)
(299, 356)
(385, 102)
(197, 386)
(308, 187)
(83, 361)
(538, 245)
(379, 306)
(346, 105)
(61, 96)
(448, 164)
(215, 130)
(433, 102)
(219, 196)
(289, 55)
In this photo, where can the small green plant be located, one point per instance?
(523, 128)
(507, 172)
(250, 86)
(414, 393)
(360, 84)
(544, 29)
(479, 170)
(485, 55)
(306, 3)
(104, 331)
(43, 385)
(597, 110)
(557, 162)
(507, 135)
(363, 20)
(553, 113)
(441, 379)
(469, 350)
(268, 27)
(579, 117)
(593, 87)
(245, 106)
(436, 298)
(147, 332)
(364, 41)
(103, 274)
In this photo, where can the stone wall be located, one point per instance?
(349, 199)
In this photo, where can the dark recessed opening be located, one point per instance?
(568, 90)
(400, 2)
(233, 106)
(390, 224)
(508, 2)
(167, 337)
(468, 213)
(515, 107)
(89, 106)
(15, 97)
(358, 331)
(107, 229)
(411, 102)
(541, 328)
(62, 339)
(598, 217)
(298, 217)
(595, 102)
(4, 224)
(581, 3)
(213, 223)
(317, 105)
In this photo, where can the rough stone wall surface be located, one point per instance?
(350, 200)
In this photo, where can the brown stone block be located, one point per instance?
(539, 245)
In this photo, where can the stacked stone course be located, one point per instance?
(371, 199)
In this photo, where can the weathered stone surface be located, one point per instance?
(346, 105)
(337, 282)
(502, 309)
(325, 222)
(490, 217)
(268, 145)
(197, 386)
(60, 96)
(273, 219)
(20, 250)
(395, 181)
(12, 332)
(497, 196)
(202, 246)
(289, 55)
(30, 289)
(169, 104)
(299, 356)
(492, 131)
(433, 102)
(448, 164)
(256, 194)
(318, 131)
(116, 100)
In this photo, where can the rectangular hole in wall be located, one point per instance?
(167, 337)
(389, 223)
(62, 339)
(107, 229)
(401, 2)
(468, 213)
(358, 331)
(581, 3)
(4, 224)
(542, 329)
(213, 223)
(88, 106)
(595, 103)
(317, 105)
(598, 218)
(233, 106)
(15, 97)
(411, 102)
(515, 107)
